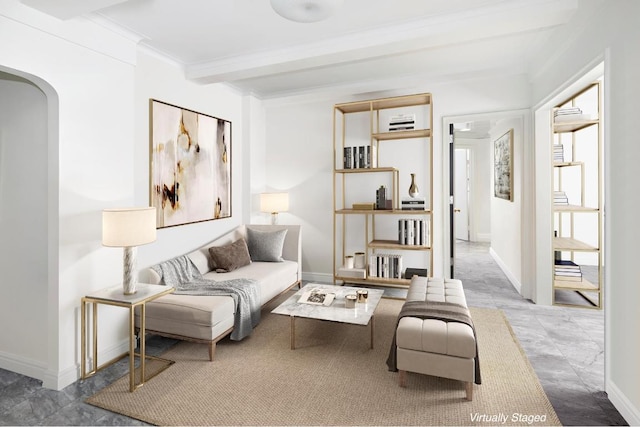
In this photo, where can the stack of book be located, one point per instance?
(414, 232)
(413, 203)
(568, 114)
(402, 122)
(388, 266)
(558, 153)
(381, 198)
(567, 270)
(363, 156)
(560, 198)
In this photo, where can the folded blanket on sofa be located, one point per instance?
(183, 275)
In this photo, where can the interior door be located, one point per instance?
(452, 241)
(461, 194)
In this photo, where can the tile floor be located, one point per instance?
(565, 347)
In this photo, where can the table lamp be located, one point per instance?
(127, 228)
(274, 203)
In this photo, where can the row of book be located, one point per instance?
(402, 122)
(567, 270)
(388, 266)
(560, 198)
(558, 153)
(415, 232)
(363, 156)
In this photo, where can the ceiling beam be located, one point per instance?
(67, 9)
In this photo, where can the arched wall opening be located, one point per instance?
(28, 224)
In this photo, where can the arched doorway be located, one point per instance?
(28, 224)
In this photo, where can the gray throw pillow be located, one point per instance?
(230, 257)
(266, 245)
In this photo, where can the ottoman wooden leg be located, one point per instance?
(469, 389)
(402, 378)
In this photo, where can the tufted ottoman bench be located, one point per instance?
(435, 334)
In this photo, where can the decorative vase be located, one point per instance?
(413, 188)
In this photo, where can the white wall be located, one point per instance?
(94, 138)
(155, 79)
(298, 157)
(506, 216)
(610, 31)
(97, 147)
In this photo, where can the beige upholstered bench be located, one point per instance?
(436, 347)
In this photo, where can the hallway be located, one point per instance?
(564, 345)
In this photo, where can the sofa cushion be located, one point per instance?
(200, 317)
(229, 257)
(266, 246)
(273, 277)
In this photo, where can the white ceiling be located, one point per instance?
(368, 42)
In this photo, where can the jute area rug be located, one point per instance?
(332, 378)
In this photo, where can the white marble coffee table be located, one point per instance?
(362, 314)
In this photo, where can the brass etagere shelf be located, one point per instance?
(375, 137)
(566, 240)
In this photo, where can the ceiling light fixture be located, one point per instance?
(306, 10)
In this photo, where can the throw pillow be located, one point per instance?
(266, 245)
(230, 257)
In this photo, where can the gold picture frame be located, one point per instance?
(190, 165)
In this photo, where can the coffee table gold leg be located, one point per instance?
(293, 332)
(372, 330)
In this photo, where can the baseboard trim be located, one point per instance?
(23, 366)
(317, 277)
(55, 380)
(514, 282)
(630, 413)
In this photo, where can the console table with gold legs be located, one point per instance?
(116, 297)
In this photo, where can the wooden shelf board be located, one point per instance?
(385, 103)
(569, 244)
(566, 164)
(393, 244)
(573, 208)
(564, 127)
(394, 283)
(569, 285)
(402, 134)
(382, 211)
(366, 170)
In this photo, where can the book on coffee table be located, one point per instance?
(317, 297)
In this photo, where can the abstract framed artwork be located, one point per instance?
(190, 165)
(503, 166)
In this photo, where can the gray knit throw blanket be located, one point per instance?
(183, 275)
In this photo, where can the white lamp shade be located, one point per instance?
(128, 227)
(306, 10)
(274, 202)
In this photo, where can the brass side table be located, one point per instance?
(115, 297)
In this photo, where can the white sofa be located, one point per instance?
(208, 319)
